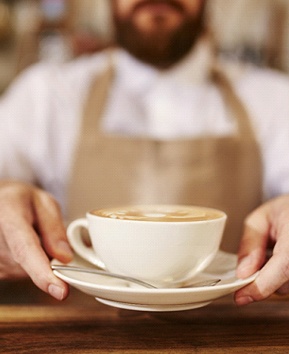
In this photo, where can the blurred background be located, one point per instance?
(58, 30)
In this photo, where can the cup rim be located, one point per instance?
(223, 215)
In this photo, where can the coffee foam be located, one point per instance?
(165, 213)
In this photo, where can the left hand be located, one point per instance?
(267, 226)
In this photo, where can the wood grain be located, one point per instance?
(82, 325)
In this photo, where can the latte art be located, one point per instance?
(163, 213)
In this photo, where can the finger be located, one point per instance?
(284, 289)
(252, 252)
(253, 245)
(51, 227)
(26, 251)
(272, 277)
(8, 268)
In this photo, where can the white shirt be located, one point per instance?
(40, 114)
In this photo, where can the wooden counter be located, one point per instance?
(32, 322)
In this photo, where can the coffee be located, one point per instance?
(163, 213)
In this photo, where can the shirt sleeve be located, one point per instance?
(19, 112)
(266, 95)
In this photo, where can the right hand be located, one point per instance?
(31, 232)
(266, 229)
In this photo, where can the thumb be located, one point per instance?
(51, 227)
(252, 249)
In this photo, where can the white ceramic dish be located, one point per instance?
(122, 294)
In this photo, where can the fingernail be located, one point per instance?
(243, 300)
(65, 248)
(56, 291)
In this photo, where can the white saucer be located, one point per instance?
(122, 294)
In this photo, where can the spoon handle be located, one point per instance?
(102, 272)
(209, 282)
(202, 283)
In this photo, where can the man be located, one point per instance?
(161, 123)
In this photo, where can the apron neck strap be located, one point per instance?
(98, 93)
(232, 102)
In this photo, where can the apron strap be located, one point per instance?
(96, 99)
(233, 103)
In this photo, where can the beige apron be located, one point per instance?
(220, 172)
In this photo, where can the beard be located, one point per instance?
(162, 48)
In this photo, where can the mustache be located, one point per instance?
(174, 3)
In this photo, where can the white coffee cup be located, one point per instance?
(161, 244)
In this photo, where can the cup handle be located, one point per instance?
(76, 242)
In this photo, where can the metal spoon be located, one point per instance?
(210, 282)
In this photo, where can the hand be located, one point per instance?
(267, 227)
(31, 229)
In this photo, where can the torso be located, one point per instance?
(220, 172)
